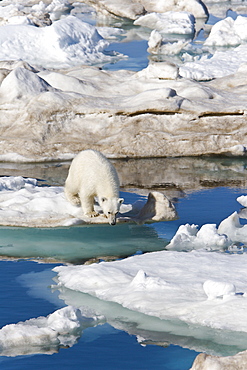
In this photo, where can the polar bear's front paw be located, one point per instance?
(92, 214)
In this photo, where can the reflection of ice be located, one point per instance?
(152, 330)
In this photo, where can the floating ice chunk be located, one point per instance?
(156, 46)
(228, 32)
(215, 289)
(242, 200)
(188, 237)
(169, 22)
(231, 227)
(43, 334)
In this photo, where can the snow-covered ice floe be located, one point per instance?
(198, 288)
(44, 335)
(23, 202)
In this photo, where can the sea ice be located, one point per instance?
(24, 203)
(169, 285)
(169, 22)
(228, 32)
(188, 237)
(114, 111)
(44, 334)
(64, 43)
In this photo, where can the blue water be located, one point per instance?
(25, 293)
(25, 290)
(102, 347)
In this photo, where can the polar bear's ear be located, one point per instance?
(120, 200)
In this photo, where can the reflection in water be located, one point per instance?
(156, 331)
(79, 244)
(185, 173)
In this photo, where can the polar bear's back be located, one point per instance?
(91, 169)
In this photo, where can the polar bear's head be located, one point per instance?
(110, 207)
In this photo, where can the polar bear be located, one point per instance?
(92, 175)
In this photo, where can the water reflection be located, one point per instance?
(151, 330)
(79, 244)
(185, 173)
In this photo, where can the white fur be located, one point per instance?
(92, 175)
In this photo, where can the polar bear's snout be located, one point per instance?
(111, 208)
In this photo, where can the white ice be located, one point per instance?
(169, 23)
(219, 63)
(23, 202)
(201, 288)
(188, 237)
(64, 43)
(228, 32)
(44, 334)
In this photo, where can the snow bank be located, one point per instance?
(65, 43)
(24, 203)
(47, 335)
(170, 285)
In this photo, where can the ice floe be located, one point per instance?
(23, 202)
(170, 285)
(44, 335)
